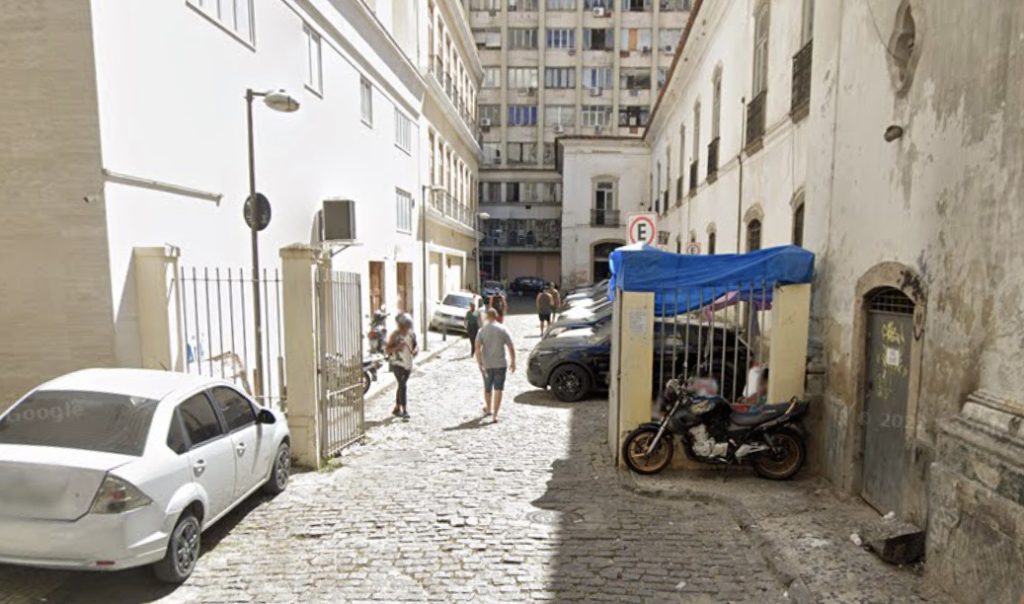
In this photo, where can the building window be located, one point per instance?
(597, 77)
(798, 222)
(761, 23)
(561, 37)
(487, 38)
(603, 212)
(598, 39)
(675, 5)
(668, 38)
(488, 5)
(403, 131)
(235, 16)
(634, 79)
(512, 192)
(521, 38)
(366, 101)
(712, 240)
(522, 5)
(491, 153)
(634, 116)
(561, 4)
(716, 104)
(637, 5)
(492, 77)
(559, 77)
(696, 144)
(490, 192)
(314, 65)
(754, 235)
(560, 115)
(592, 116)
(522, 115)
(522, 153)
(403, 211)
(490, 115)
(522, 77)
(636, 39)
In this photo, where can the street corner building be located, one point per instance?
(127, 171)
(885, 137)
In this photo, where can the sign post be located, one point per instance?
(642, 227)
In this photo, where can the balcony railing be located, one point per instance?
(801, 97)
(693, 177)
(523, 233)
(448, 85)
(713, 158)
(755, 118)
(445, 204)
(604, 218)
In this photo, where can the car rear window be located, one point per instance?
(94, 421)
(457, 301)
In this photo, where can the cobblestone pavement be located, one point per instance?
(447, 507)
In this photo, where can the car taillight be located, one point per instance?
(116, 496)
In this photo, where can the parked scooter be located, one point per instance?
(378, 334)
(770, 437)
(370, 368)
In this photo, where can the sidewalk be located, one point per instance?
(803, 530)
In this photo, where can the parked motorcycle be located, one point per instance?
(370, 368)
(770, 438)
(378, 334)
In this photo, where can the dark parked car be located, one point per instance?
(575, 318)
(524, 286)
(577, 362)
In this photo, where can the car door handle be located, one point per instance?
(240, 448)
(199, 467)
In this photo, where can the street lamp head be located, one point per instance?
(484, 216)
(279, 100)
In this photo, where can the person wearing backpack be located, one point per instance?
(401, 350)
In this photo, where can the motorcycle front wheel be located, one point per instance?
(634, 450)
(786, 460)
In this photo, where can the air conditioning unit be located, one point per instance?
(646, 50)
(595, 91)
(598, 129)
(338, 221)
(492, 12)
(600, 11)
(485, 122)
(668, 49)
(524, 91)
(634, 92)
(572, 52)
(531, 91)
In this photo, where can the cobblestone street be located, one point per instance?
(447, 507)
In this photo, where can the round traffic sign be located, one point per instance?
(262, 212)
(642, 228)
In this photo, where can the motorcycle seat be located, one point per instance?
(760, 415)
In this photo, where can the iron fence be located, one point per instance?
(340, 360)
(217, 323)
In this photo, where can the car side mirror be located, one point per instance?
(266, 416)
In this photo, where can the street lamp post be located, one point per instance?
(278, 101)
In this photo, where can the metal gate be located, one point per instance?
(890, 322)
(340, 357)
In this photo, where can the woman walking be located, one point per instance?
(401, 350)
(472, 327)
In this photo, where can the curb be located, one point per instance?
(785, 572)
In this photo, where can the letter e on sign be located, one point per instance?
(642, 227)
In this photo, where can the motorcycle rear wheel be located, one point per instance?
(636, 445)
(783, 465)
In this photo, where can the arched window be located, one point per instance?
(798, 224)
(754, 235)
(712, 239)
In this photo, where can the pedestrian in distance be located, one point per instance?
(499, 303)
(401, 350)
(556, 299)
(472, 326)
(492, 343)
(545, 306)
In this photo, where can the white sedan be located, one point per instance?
(107, 469)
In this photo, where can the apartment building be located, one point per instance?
(555, 68)
(128, 131)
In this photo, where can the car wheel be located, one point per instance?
(183, 549)
(570, 383)
(282, 469)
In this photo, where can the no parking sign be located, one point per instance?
(642, 227)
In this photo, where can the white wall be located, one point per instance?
(586, 160)
(171, 87)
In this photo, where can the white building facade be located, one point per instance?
(133, 122)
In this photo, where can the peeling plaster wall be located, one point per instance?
(944, 200)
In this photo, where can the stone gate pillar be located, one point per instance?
(298, 283)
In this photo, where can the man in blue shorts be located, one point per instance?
(492, 342)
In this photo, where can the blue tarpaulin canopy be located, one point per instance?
(686, 282)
